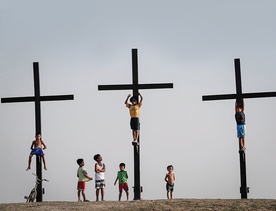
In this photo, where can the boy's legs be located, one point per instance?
(242, 143)
(79, 200)
(29, 162)
(102, 193)
(97, 194)
(83, 195)
(135, 134)
(168, 194)
(171, 194)
(44, 162)
(120, 195)
(127, 194)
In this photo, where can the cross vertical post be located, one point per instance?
(239, 96)
(135, 86)
(38, 128)
(37, 99)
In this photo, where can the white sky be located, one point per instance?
(191, 43)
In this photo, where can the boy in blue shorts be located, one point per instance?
(240, 119)
(37, 148)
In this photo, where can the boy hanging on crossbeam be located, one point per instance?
(240, 119)
(134, 111)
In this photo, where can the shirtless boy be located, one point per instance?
(37, 148)
(170, 178)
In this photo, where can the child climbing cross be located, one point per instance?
(240, 119)
(36, 148)
(134, 111)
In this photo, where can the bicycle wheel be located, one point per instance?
(32, 196)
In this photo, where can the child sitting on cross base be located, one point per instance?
(134, 111)
(37, 149)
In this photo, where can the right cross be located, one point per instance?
(239, 99)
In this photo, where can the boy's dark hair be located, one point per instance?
(122, 164)
(169, 166)
(133, 98)
(96, 157)
(79, 161)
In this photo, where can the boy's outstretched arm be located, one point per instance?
(141, 97)
(127, 98)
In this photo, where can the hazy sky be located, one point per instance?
(191, 43)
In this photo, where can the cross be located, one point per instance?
(239, 99)
(37, 99)
(135, 86)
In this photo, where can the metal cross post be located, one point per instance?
(239, 98)
(135, 86)
(37, 99)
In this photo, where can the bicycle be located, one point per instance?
(33, 192)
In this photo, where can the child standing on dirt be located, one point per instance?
(122, 176)
(134, 111)
(99, 176)
(37, 148)
(170, 178)
(83, 178)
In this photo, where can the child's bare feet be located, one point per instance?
(29, 168)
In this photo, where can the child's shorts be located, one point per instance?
(37, 151)
(169, 187)
(123, 186)
(134, 123)
(81, 185)
(240, 131)
(99, 184)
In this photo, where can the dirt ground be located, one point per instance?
(175, 204)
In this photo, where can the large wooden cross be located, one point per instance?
(37, 99)
(135, 86)
(239, 99)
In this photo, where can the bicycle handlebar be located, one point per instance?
(40, 179)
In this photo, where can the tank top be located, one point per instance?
(100, 175)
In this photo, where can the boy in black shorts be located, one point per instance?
(134, 111)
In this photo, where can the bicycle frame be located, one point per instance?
(33, 193)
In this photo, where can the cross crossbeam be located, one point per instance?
(37, 99)
(135, 86)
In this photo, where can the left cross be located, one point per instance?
(37, 99)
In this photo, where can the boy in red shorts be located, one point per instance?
(122, 176)
(83, 178)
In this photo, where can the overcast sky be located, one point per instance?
(190, 43)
